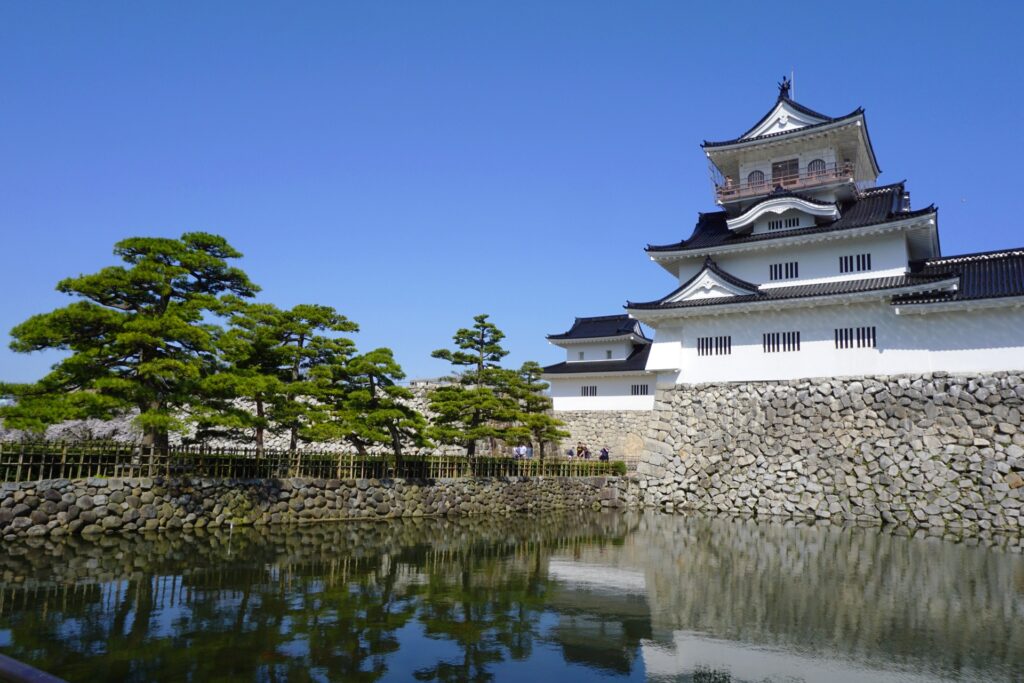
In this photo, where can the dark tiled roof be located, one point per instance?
(637, 361)
(602, 326)
(986, 275)
(802, 291)
(796, 105)
(872, 207)
(780, 191)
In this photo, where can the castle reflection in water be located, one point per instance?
(584, 596)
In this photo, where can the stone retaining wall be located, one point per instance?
(621, 431)
(98, 505)
(935, 451)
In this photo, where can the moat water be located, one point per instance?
(569, 597)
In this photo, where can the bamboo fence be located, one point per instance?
(36, 460)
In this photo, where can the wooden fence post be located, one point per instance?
(21, 459)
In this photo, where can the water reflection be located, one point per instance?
(586, 596)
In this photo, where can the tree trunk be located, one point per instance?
(259, 428)
(154, 438)
(293, 443)
(396, 446)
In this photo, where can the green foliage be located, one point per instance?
(360, 401)
(535, 420)
(267, 358)
(309, 347)
(139, 337)
(480, 402)
(486, 401)
(479, 349)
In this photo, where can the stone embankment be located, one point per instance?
(937, 451)
(98, 506)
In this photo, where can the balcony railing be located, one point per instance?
(809, 176)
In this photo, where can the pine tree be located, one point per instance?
(477, 404)
(364, 405)
(139, 336)
(258, 388)
(310, 353)
(535, 419)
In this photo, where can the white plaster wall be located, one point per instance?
(826, 154)
(604, 402)
(819, 262)
(597, 351)
(667, 351)
(963, 341)
(613, 393)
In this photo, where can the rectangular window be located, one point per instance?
(580, 355)
(780, 342)
(714, 346)
(639, 390)
(784, 271)
(856, 338)
(608, 355)
(854, 263)
(590, 390)
(781, 223)
(785, 172)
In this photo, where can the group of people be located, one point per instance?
(583, 452)
(522, 452)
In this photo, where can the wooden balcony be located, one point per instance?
(807, 177)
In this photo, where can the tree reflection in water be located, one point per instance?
(488, 598)
(322, 602)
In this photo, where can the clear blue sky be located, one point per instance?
(415, 163)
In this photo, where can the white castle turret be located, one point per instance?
(810, 269)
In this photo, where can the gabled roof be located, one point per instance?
(826, 120)
(783, 103)
(713, 268)
(780, 201)
(786, 102)
(984, 275)
(636, 362)
(603, 326)
(821, 289)
(871, 207)
(795, 119)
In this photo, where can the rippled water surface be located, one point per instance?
(569, 597)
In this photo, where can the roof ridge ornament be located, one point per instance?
(784, 88)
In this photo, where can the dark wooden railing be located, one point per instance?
(36, 460)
